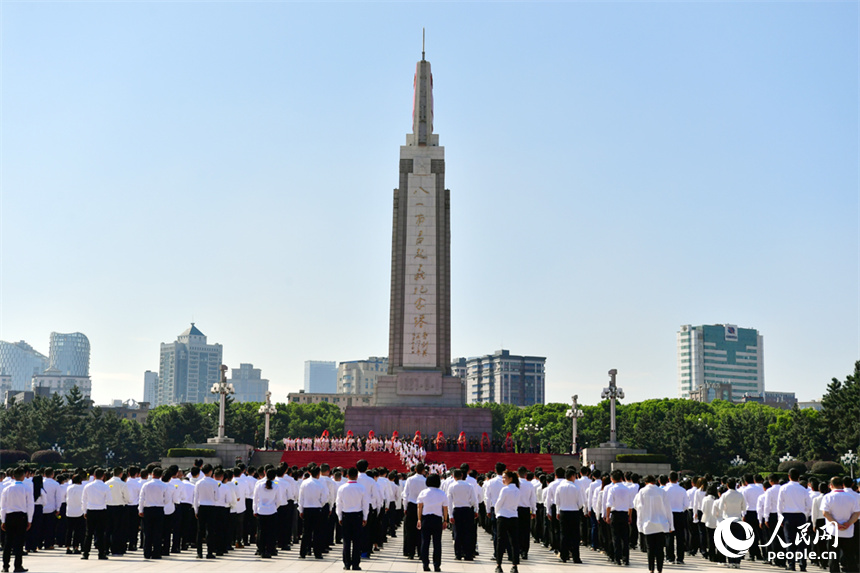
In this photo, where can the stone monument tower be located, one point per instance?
(419, 347)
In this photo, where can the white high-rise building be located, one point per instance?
(21, 362)
(360, 376)
(320, 377)
(57, 382)
(70, 353)
(710, 355)
(150, 387)
(249, 384)
(188, 368)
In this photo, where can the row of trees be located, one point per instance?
(695, 436)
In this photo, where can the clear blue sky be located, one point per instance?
(616, 170)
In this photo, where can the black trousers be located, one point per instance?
(16, 537)
(772, 520)
(268, 534)
(34, 535)
(431, 531)
(569, 526)
(153, 528)
(285, 522)
(677, 537)
(167, 531)
(205, 526)
(411, 540)
(96, 527)
(76, 529)
(524, 521)
(790, 525)
(507, 537)
(464, 532)
(116, 528)
(619, 521)
(312, 536)
(751, 517)
(353, 533)
(656, 544)
(251, 523)
(183, 531)
(693, 534)
(634, 532)
(846, 553)
(132, 526)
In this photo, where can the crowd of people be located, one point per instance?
(394, 443)
(212, 511)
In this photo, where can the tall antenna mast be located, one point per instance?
(422, 44)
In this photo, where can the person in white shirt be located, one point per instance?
(133, 483)
(75, 526)
(17, 507)
(677, 497)
(415, 484)
(153, 497)
(551, 510)
(432, 519)
(505, 510)
(50, 510)
(770, 513)
(732, 505)
(352, 505)
(618, 502)
(264, 505)
(751, 491)
(463, 505)
(205, 503)
(593, 514)
(794, 505)
(584, 482)
(313, 496)
(95, 499)
(654, 520)
(116, 513)
(842, 507)
(818, 521)
(709, 519)
(525, 511)
(569, 501)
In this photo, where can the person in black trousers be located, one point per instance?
(507, 535)
(17, 499)
(432, 519)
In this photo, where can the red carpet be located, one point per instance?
(481, 462)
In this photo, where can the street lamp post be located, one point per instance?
(267, 410)
(612, 393)
(222, 388)
(850, 460)
(531, 429)
(574, 413)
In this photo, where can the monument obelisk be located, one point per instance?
(419, 392)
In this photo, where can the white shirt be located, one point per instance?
(527, 496)
(352, 498)
(549, 493)
(118, 492)
(508, 501)
(50, 497)
(841, 505)
(133, 486)
(415, 484)
(677, 497)
(74, 505)
(17, 497)
(462, 494)
(369, 484)
(434, 499)
(751, 494)
(653, 513)
(154, 493)
(569, 496)
(618, 497)
(96, 495)
(731, 504)
(709, 515)
(265, 501)
(793, 498)
(205, 493)
(312, 494)
(770, 498)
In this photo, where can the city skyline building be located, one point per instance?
(720, 354)
(503, 378)
(21, 362)
(57, 382)
(70, 354)
(360, 376)
(188, 368)
(150, 386)
(320, 376)
(248, 384)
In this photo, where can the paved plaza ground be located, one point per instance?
(390, 559)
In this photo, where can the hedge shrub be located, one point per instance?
(642, 458)
(46, 457)
(190, 453)
(784, 467)
(829, 469)
(9, 457)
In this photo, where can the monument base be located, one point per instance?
(429, 421)
(604, 457)
(224, 440)
(420, 388)
(227, 451)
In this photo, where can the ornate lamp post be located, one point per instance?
(267, 409)
(738, 461)
(612, 393)
(531, 429)
(850, 460)
(222, 388)
(786, 458)
(574, 413)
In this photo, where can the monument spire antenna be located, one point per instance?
(422, 44)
